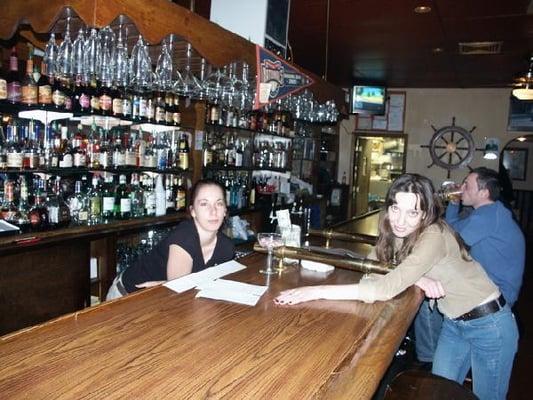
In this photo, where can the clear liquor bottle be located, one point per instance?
(170, 193)
(78, 205)
(23, 219)
(149, 197)
(9, 209)
(66, 154)
(137, 197)
(14, 153)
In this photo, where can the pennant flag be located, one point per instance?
(276, 78)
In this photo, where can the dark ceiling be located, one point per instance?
(386, 42)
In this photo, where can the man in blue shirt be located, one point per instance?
(495, 241)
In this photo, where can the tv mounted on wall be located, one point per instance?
(368, 100)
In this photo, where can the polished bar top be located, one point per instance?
(162, 345)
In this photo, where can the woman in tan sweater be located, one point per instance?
(479, 330)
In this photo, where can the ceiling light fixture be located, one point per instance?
(521, 139)
(422, 9)
(527, 92)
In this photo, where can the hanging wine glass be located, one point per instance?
(163, 68)
(189, 86)
(93, 52)
(120, 72)
(214, 84)
(147, 75)
(50, 55)
(201, 94)
(78, 53)
(107, 40)
(136, 62)
(64, 55)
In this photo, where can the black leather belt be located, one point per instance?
(484, 309)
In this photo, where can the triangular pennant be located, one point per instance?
(276, 78)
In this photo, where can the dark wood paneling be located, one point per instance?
(43, 283)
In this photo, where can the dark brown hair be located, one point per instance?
(430, 205)
(205, 182)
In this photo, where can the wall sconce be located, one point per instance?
(492, 148)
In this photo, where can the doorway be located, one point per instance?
(378, 160)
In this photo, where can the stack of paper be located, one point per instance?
(236, 292)
(191, 281)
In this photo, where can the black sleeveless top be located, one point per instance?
(153, 266)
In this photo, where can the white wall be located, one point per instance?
(486, 109)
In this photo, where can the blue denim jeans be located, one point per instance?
(487, 345)
(428, 324)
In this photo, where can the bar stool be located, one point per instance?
(422, 385)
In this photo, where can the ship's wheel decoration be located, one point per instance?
(451, 147)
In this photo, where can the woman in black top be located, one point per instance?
(194, 245)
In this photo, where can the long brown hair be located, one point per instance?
(430, 205)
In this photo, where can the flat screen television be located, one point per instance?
(368, 100)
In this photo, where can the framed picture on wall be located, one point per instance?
(515, 161)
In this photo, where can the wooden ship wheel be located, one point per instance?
(451, 147)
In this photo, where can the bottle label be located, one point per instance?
(108, 204)
(96, 206)
(45, 94)
(131, 158)
(126, 107)
(184, 160)
(83, 216)
(117, 106)
(58, 97)
(29, 94)
(168, 117)
(66, 162)
(104, 160)
(95, 103)
(160, 115)
(3, 89)
(135, 108)
(53, 214)
(119, 159)
(14, 92)
(125, 205)
(176, 118)
(105, 102)
(149, 161)
(142, 107)
(150, 110)
(85, 101)
(14, 160)
(80, 160)
(150, 203)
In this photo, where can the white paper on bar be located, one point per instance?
(229, 295)
(240, 287)
(190, 281)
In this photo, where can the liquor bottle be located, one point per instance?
(66, 154)
(78, 206)
(150, 107)
(207, 154)
(14, 90)
(14, 154)
(82, 98)
(3, 154)
(119, 153)
(108, 199)
(9, 209)
(31, 148)
(105, 100)
(169, 105)
(123, 199)
(79, 148)
(58, 96)
(93, 147)
(176, 112)
(130, 159)
(160, 108)
(38, 214)
(183, 153)
(68, 93)
(106, 151)
(117, 106)
(150, 160)
(95, 202)
(28, 85)
(3, 83)
(149, 197)
(126, 102)
(170, 196)
(137, 197)
(44, 88)
(160, 197)
(181, 195)
(94, 93)
(160, 150)
(63, 211)
(23, 219)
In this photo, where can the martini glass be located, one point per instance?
(269, 241)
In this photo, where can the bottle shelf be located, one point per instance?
(79, 171)
(256, 132)
(231, 168)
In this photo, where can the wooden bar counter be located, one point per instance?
(158, 344)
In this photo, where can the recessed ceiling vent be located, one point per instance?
(476, 48)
